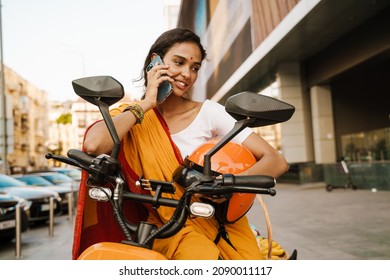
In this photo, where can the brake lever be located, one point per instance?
(210, 189)
(63, 159)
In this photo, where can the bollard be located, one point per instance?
(70, 207)
(18, 232)
(51, 217)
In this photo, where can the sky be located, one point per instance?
(49, 43)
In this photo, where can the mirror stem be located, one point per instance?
(104, 110)
(238, 127)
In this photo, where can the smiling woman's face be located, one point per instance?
(184, 60)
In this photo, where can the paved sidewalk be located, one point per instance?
(38, 245)
(338, 225)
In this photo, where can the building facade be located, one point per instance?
(61, 133)
(328, 58)
(27, 124)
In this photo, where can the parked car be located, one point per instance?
(8, 205)
(39, 181)
(39, 197)
(73, 173)
(59, 179)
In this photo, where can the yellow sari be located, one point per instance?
(148, 151)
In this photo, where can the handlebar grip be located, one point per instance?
(80, 156)
(261, 181)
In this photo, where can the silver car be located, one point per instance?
(39, 181)
(39, 197)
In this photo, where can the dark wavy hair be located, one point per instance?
(166, 41)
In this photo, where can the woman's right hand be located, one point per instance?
(156, 76)
(98, 140)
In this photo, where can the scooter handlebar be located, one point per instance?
(257, 181)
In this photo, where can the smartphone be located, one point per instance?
(165, 88)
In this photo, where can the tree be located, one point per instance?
(64, 119)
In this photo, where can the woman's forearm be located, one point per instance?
(98, 139)
(271, 165)
(269, 161)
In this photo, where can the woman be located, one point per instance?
(155, 139)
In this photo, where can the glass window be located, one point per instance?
(371, 145)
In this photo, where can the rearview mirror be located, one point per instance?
(264, 109)
(102, 91)
(97, 89)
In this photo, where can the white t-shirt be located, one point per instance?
(212, 121)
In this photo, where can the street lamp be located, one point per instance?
(3, 116)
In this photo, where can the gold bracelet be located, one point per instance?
(137, 111)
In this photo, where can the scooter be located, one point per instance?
(106, 180)
(348, 185)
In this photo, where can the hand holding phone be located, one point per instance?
(165, 88)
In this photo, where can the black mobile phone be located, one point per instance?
(165, 88)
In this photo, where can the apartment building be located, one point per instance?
(27, 123)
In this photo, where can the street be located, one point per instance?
(338, 225)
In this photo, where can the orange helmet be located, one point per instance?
(232, 158)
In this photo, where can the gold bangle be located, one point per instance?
(137, 111)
